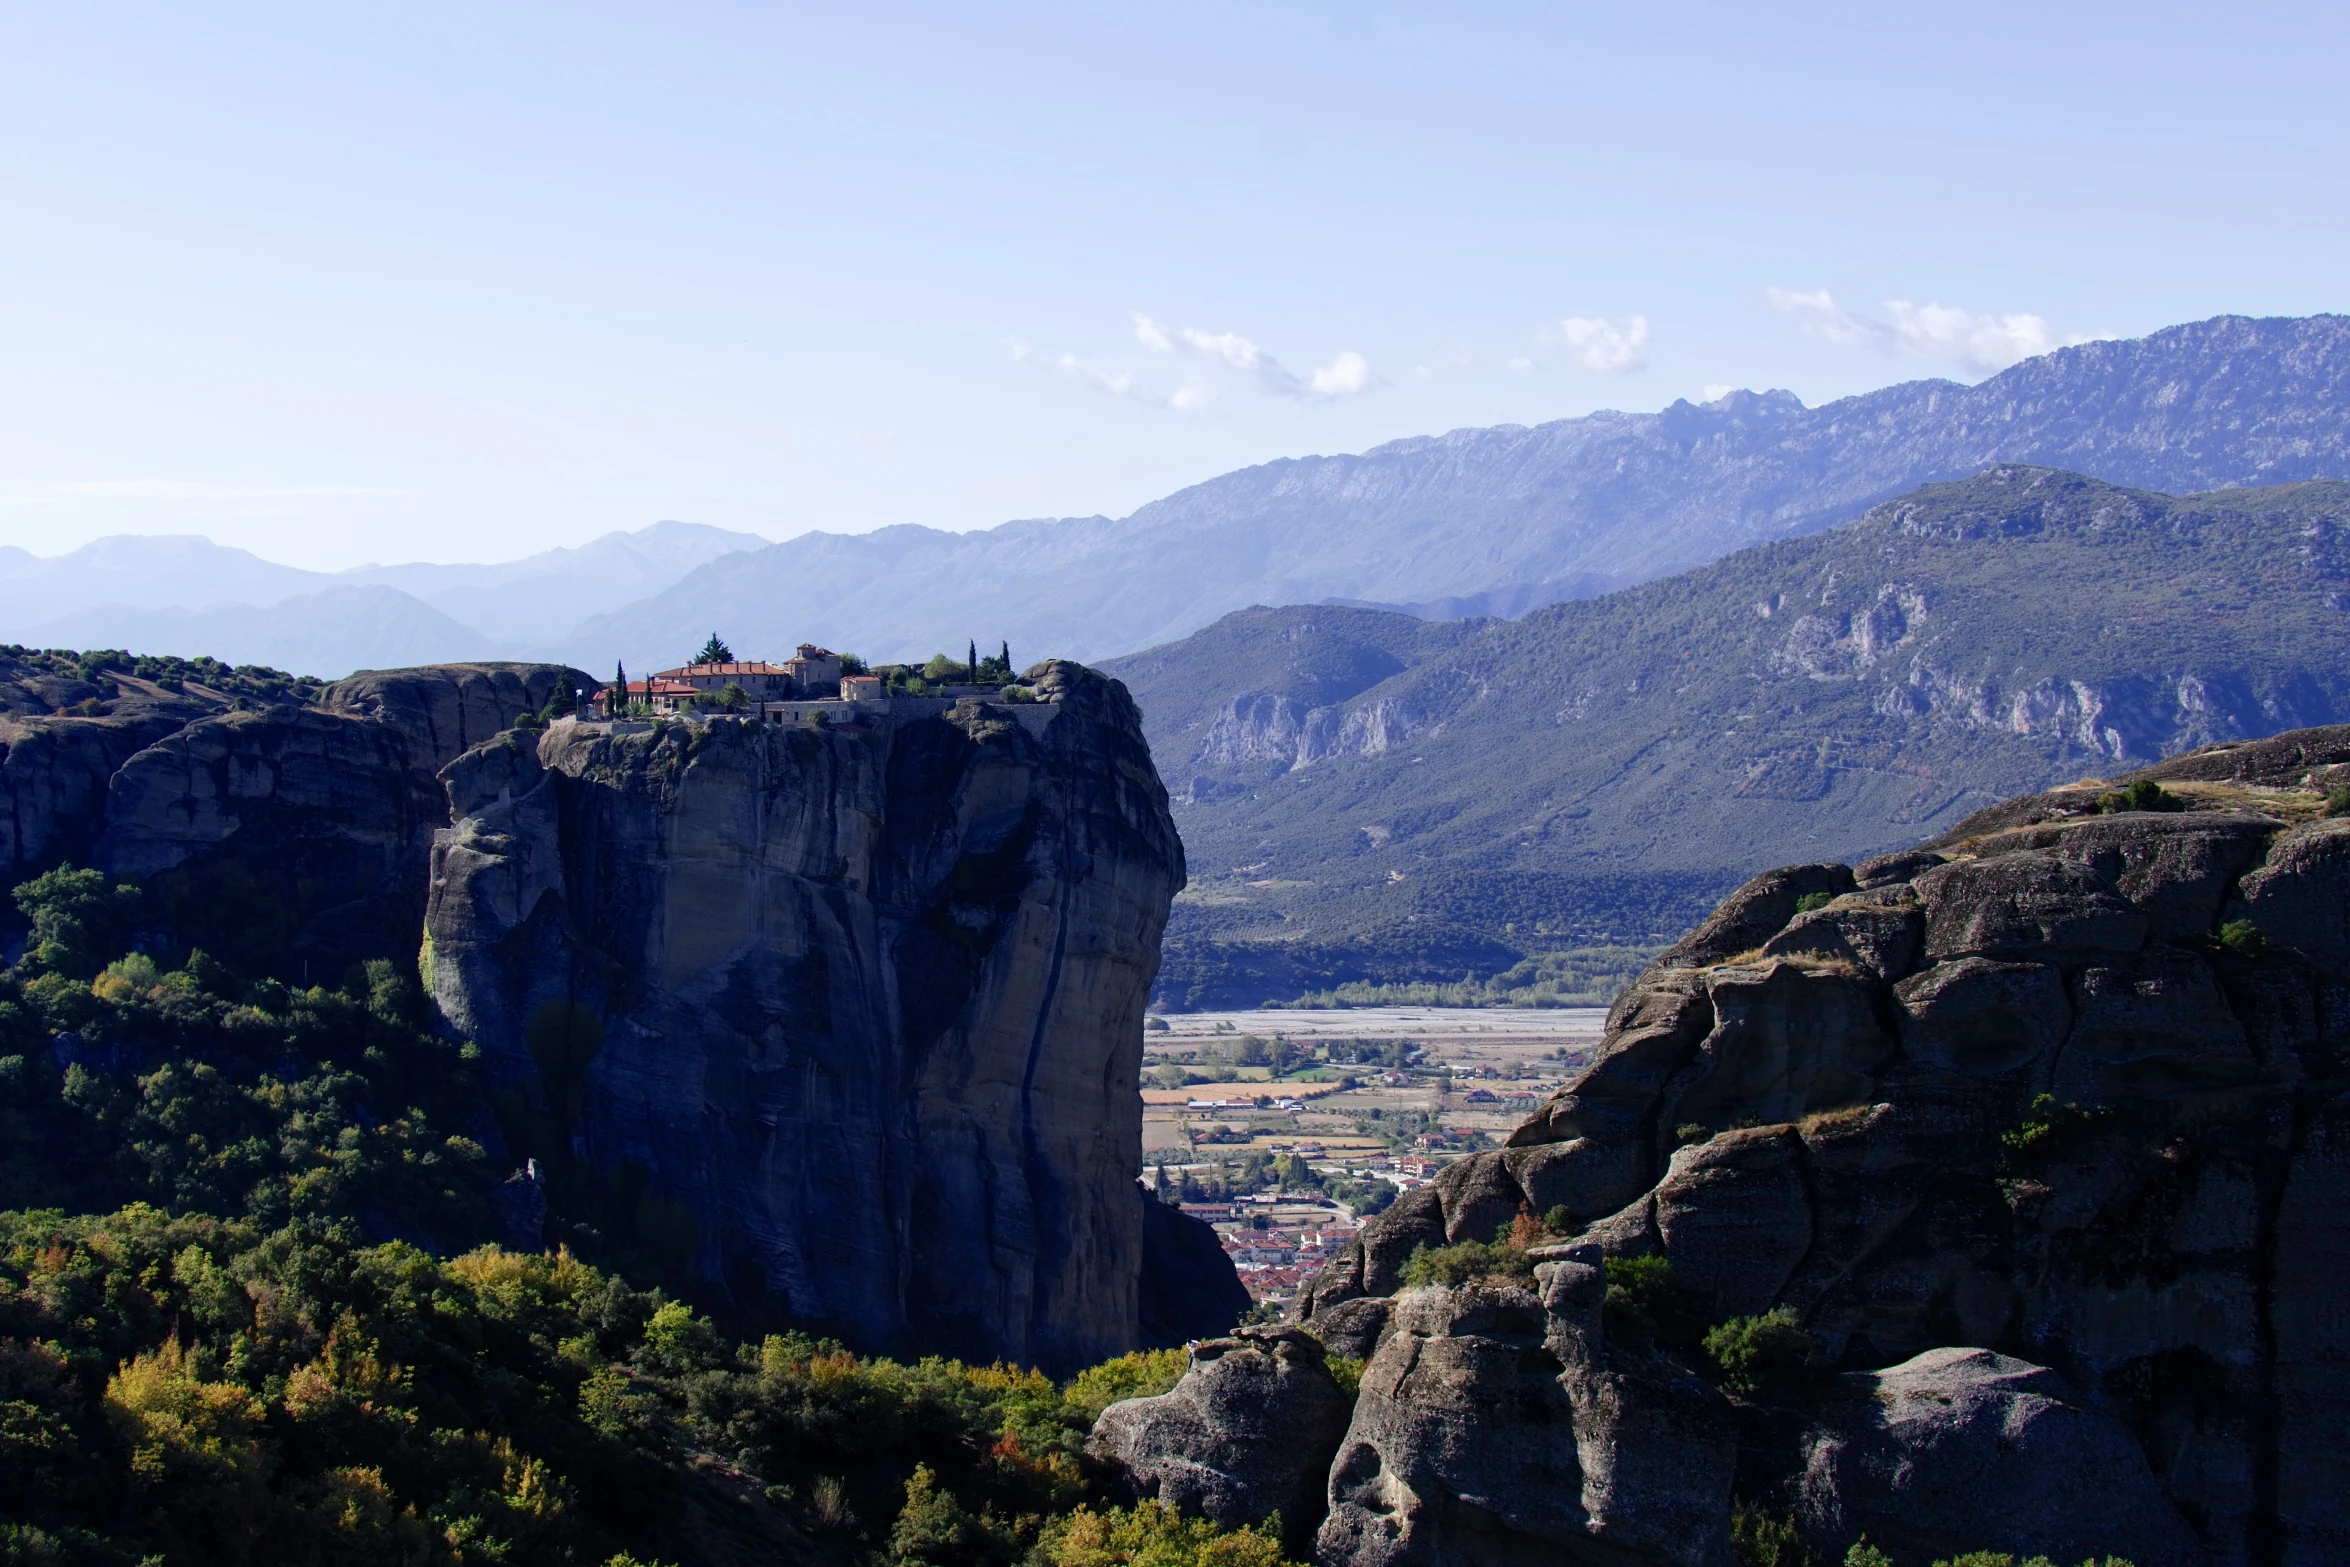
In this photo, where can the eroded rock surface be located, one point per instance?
(2024, 1093)
(1495, 1425)
(1248, 1432)
(313, 824)
(1968, 1444)
(845, 1021)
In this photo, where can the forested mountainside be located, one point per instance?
(1584, 780)
(1500, 520)
(1987, 1195)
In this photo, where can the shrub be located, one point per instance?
(1347, 1372)
(2243, 937)
(1647, 1303)
(1758, 1539)
(1144, 1374)
(1863, 1554)
(2143, 795)
(2338, 800)
(1452, 1266)
(1772, 1352)
(1152, 1534)
(1813, 900)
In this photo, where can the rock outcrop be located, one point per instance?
(2039, 1136)
(841, 1024)
(1496, 1425)
(305, 830)
(1248, 1433)
(2038, 1470)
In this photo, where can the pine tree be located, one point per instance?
(714, 652)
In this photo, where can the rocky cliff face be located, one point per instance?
(2037, 1140)
(844, 1022)
(300, 832)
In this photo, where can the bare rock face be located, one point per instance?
(842, 1022)
(2067, 1088)
(313, 824)
(1494, 1425)
(1248, 1432)
(443, 710)
(2038, 1472)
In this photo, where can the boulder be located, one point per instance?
(1652, 1031)
(1754, 914)
(2025, 905)
(1495, 1426)
(2172, 868)
(1353, 1328)
(1248, 1432)
(1877, 933)
(1586, 1177)
(1462, 1446)
(1980, 1017)
(441, 711)
(1733, 1218)
(2300, 897)
(1896, 869)
(1785, 1040)
(1657, 1446)
(1962, 1449)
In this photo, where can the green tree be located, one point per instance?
(714, 652)
(79, 920)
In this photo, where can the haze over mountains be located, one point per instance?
(1488, 521)
(176, 592)
(1365, 797)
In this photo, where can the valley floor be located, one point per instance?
(1284, 1128)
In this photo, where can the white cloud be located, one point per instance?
(1342, 377)
(1714, 394)
(1966, 338)
(1602, 346)
(1521, 364)
(1345, 376)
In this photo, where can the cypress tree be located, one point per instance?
(971, 662)
(619, 702)
(1006, 656)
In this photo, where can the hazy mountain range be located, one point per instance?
(1364, 796)
(184, 594)
(1490, 521)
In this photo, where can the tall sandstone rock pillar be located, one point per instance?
(843, 1023)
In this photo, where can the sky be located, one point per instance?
(347, 284)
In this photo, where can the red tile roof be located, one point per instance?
(712, 671)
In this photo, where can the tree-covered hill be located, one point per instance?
(1589, 776)
(254, 1309)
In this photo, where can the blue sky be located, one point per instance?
(462, 282)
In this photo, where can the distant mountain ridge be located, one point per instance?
(1492, 521)
(1502, 520)
(178, 592)
(1593, 772)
